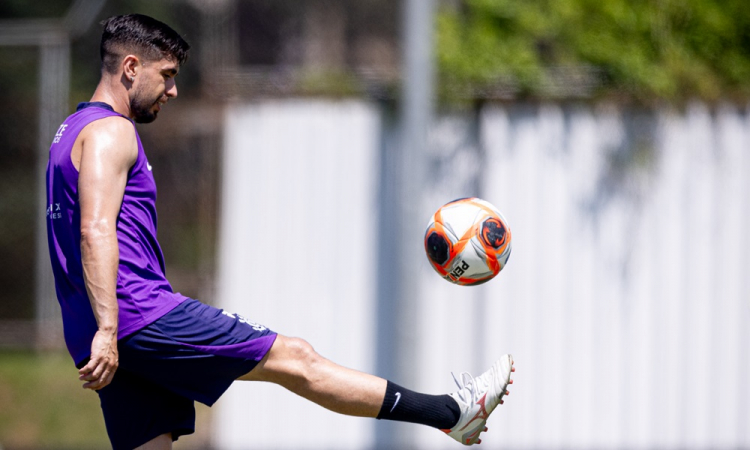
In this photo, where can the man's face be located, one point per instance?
(154, 85)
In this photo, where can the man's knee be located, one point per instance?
(296, 349)
(288, 357)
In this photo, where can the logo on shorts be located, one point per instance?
(256, 326)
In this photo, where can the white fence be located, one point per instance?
(626, 301)
(297, 254)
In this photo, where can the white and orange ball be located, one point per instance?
(467, 241)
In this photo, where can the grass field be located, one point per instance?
(42, 406)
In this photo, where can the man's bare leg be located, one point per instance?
(293, 364)
(162, 442)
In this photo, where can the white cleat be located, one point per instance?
(478, 397)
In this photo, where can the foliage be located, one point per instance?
(669, 49)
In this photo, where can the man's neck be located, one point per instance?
(114, 95)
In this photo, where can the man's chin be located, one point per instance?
(145, 118)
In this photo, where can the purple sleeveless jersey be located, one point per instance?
(143, 292)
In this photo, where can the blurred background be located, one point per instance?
(309, 146)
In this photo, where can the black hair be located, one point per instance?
(142, 36)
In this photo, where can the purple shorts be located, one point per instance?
(193, 353)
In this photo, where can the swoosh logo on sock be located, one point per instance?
(398, 397)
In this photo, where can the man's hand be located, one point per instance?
(100, 369)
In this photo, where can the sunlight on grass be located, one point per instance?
(44, 406)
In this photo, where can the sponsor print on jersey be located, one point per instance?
(53, 211)
(59, 133)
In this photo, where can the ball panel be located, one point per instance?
(467, 263)
(489, 258)
(494, 235)
(460, 217)
(474, 282)
(438, 248)
(487, 206)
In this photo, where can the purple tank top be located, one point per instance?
(143, 292)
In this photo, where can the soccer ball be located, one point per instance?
(467, 241)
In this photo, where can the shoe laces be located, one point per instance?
(468, 390)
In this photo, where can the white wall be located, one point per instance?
(626, 301)
(297, 254)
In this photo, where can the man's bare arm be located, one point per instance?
(108, 149)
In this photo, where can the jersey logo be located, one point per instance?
(59, 133)
(53, 211)
(148, 166)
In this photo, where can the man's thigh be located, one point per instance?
(137, 411)
(161, 442)
(196, 350)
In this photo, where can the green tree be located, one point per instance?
(668, 49)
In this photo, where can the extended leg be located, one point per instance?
(293, 364)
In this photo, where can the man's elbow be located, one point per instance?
(97, 230)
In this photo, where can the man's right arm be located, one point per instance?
(108, 149)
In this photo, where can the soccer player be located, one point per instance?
(150, 352)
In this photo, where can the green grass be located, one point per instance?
(43, 407)
(42, 404)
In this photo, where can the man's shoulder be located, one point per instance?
(114, 123)
(114, 127)
(113, 132)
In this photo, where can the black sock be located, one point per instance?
(403, 405)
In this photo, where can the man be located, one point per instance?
(147, 351)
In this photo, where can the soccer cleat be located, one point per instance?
(478, 397)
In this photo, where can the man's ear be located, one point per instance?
(130, 67)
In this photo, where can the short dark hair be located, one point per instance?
(143, 36)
